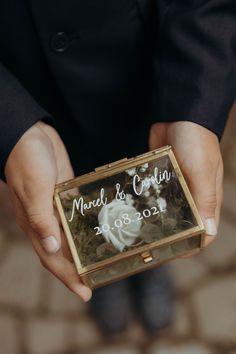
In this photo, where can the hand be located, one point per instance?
(198, 153)
(37, 162)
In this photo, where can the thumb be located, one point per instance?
(41, 220)
(47, 228)
(204, 191)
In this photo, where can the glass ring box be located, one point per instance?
(128, 216)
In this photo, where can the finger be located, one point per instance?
(158, 135)
(65, 271)
(204, 192)
(62, 268)
(219, 197)
(219, 188)
(64, 242)
(38, 212)
(57, 263)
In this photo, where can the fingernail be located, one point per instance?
(87, 295)
(210, 226)
(50, 244)
(84, 292)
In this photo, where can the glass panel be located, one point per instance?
(130, 265)
(126, 210)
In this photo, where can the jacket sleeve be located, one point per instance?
(18, 112)
(195, 62)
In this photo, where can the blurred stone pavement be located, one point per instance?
(38, 315)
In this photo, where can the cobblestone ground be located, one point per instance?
(39, 316)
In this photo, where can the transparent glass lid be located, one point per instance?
(129, 209)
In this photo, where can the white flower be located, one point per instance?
(157, 188)
(161, 202)
(129, 199)
(128, 232)
(152, 202)
(144, 167)
(146, 194)
(132, 171)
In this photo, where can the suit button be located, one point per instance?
(59, 42)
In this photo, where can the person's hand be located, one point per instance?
(37, 162)
(198, 153)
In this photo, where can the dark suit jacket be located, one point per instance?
(104, 70)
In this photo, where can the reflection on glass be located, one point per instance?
(135, 263)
